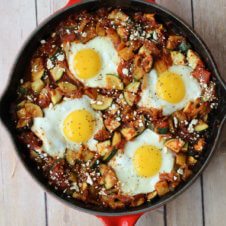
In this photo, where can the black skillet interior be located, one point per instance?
(45, 29)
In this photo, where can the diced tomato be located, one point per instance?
(202, 75)
(68, 37)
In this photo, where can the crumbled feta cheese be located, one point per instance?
(74, 187)
(60, 57)
(174, 178)
(118, 119)
(21, 81)
(101, 192)
(175, 121)
(43, 41)
(125, 71)
(191, 125)
(84, 34)
(89, 179)
(180, 171)
(49, 64)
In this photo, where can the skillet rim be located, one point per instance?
(165, 199)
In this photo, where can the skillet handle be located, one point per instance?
(120, 220)
(72, 2)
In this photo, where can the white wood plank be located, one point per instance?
(21, 199)
(187, 209)
(58, 214)
(209, 18)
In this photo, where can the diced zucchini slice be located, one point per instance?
(185, 147)
(108, 156)
(201, 127)
(102, 103)
(193, 59)
(184, 46)
(175, 144)
(177, 58)
(67, 87)
(192, 160)
(152, 195)
(116, 138)
(37, 75)
(133, 87)
(180, 159)
(163, 130)
(129, 97)
(71, 156)
(22, 122)
(113, 82)
(104, 148)
(37, 85)
(128, 133)
(162, 188)
(57, 72)
(56, 96)
(111, 124)
(33, 110)
(37, 69)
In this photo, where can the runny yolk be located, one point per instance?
(78, 126)
(170, 87)
(87, 63)
(147, 160)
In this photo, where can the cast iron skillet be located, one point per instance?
(126, 216)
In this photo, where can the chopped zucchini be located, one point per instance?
(104, 147)
(108, 156)
(180, 159)
(22, 122)
(37, 69)
(37, 75)
(175, 144)
(33, 110)
(193, 59)
(201, 127)
(102, 103)
(129, 97)
(185, 147)
(133, 87)
(192, 160)
(116, 138)
(71, 156)
(128, 133)
(152, 195)
(56, 96)
(57, 72)
(113, 82)
(162, 188)
(163, 130)
(67, 87)
(37, 85)
(184, 46)
(111, 124)
(177, 58)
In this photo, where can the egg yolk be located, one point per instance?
(170, 87)
(87, 63)
(78, 126)
(147, 160)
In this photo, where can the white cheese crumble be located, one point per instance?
(125, 71)
(49, 64)
(89, 179)
(60, 57)
(191, 125)
(180, 171)
(175, 121)
(74, 187)
(43, 41)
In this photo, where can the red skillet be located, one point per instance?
(125, 217)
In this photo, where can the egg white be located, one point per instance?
(50, 128)
(130, 182)
(108, 54)
(149, 97)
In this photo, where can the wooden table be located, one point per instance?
(24, 203)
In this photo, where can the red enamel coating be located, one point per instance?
(72, 2)
(120, 220)
(129, 220)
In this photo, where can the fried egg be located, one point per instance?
(144, 158)
(68, 125)
(171, 90)
(90, 62)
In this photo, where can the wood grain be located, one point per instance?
(21, 199)
(209, 20)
